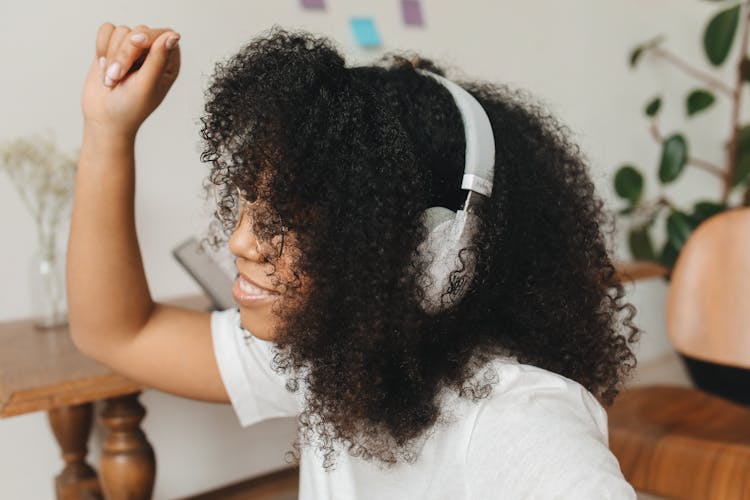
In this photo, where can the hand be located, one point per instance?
(119, 100)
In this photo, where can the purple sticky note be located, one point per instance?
(412, 12)
(313, 4)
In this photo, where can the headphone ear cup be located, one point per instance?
(438, 222)
(449, 232)
(434, 216)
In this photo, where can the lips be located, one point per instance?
(246, 294)
(249, 286)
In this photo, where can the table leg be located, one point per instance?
(71, 426)
(128, 466)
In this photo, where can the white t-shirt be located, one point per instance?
(539, 435)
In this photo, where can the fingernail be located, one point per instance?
(172, 41)
(113, 72)
(108, 81)
(102, 62)
(138, 38)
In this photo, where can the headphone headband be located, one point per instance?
(480, 142)
(449, 231)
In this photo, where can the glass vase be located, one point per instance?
(49, 293)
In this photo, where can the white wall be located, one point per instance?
(572, 55)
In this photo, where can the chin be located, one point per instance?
(257, 324)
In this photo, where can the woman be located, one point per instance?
(322, 172)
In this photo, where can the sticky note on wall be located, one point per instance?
(412, 12)
(313, 4)
(365, 31)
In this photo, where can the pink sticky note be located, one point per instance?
(313, 4)
(412, 12)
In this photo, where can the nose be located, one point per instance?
(243, 243)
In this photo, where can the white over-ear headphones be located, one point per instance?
(451, 231)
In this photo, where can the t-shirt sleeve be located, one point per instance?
(545, 443)
(256, 391)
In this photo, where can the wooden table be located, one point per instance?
(42, 370)
(634, 271)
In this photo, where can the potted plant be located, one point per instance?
(719, 36)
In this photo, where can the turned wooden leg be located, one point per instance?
(71, 426)
(128, 466)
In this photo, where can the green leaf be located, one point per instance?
(674, 156)
(746, 70)
(626, 211)
(698, 100)
(741, 171)
(719, 34)
(629, 183)
(638, 51)
(702, 210)
(742, 166)
(635, 54)
(653, 107)
(641, 247)
(668, 255)
(655, 211)
(679, 227)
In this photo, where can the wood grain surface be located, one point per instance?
(41, 369)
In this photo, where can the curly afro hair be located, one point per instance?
(348, 158)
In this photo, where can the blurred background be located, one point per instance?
(572, 56)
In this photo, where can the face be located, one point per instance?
(253, 290)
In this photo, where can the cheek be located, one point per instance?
(286, 268)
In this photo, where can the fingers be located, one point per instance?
(143, 36)
(114, 70)
(121, 50)
(102, 42)
(163, 58)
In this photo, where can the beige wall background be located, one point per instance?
(571, 55)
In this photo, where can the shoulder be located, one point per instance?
(527, 390)
(540, 434)
(228, 333)
(256, 390)
(226, 322)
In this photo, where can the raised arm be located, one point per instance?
(112, 315)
